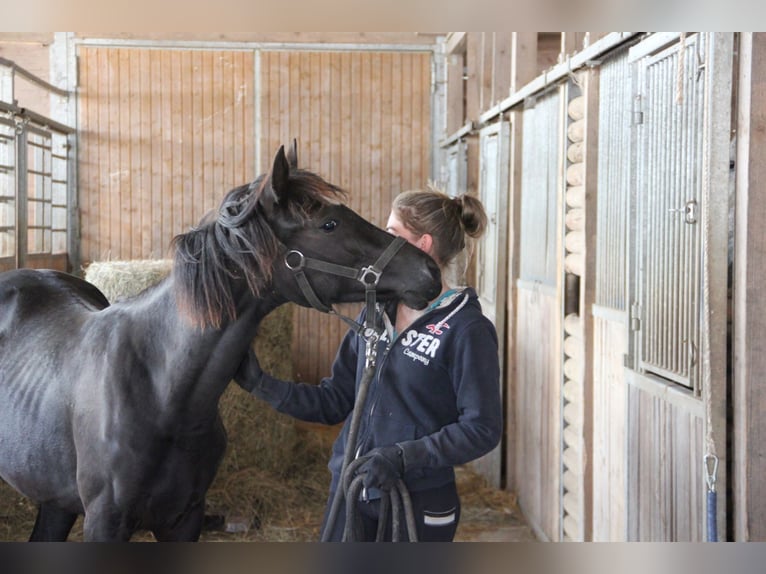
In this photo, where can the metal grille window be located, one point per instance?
(669, 124)
(540, 174)
(613, 182)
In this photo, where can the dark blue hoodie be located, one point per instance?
(435, 393)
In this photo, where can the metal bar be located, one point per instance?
(248, 46)
(459, 134)
(38, 119)
(21, 201)
(29, 76)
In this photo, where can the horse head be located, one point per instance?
(314, 226)
(261, 226)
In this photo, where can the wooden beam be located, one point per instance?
(749, 296)
(455, 43)
(523, 59)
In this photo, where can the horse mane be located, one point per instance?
(239, 243)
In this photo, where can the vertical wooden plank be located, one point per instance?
(227, 126)
(485, 69)
(416, 125)
(175, 196)
(407, 119)
(134, 130)
(113, 171)
(273, 111)
(187, 143)
(397, 125)
(523, 59)
(373, 192)
(366, 131)
(121, 173)
(239, 107)
(385, 192)
(590, 82)
(749, 296)
(425, 121)
(501, 66)
(197, 136)
(248, 131)
(166, 197)
(147, 249)
(103, 144)
(217, 186)
(90, 224)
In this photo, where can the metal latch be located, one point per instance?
(690, 211)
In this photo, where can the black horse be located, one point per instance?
(112, 411)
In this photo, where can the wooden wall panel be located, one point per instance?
(362, 120)
(609, 431)
(666, 486)
(537, 410)
(164, 134)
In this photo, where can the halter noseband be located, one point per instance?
(368, 276)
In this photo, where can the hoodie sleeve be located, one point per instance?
(475, 374)
(330, 401)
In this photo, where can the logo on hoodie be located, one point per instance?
(420, 347)
(436, 329)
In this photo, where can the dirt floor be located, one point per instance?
(488, 515)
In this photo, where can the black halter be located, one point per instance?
(369, 276)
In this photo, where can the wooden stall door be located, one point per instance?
(164, 134)
(677, 399)
(492, 263)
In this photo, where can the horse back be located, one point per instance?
(26, 294)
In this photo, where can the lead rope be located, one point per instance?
(350, 484)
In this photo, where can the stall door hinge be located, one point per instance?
(635, 317)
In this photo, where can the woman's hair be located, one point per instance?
(447, 219)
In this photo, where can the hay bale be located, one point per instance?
(123, 279)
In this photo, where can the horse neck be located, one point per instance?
(196, 364)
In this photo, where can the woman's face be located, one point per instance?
(396, 227)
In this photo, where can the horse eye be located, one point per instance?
(329, 225)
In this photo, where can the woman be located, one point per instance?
(434, 401)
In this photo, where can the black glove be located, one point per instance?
(249, 376)
(384, 465)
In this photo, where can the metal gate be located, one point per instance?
(669, 117)
(34, 180)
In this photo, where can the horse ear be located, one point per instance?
(292, 155)
(280, 173)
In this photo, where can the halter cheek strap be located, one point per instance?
(369, 276)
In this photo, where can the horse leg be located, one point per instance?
(52, 524)
(187, 529)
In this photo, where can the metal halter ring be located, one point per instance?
(301, 262)
(369, 272)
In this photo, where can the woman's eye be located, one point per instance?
(329, 225)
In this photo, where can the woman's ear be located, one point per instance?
(426, 243)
